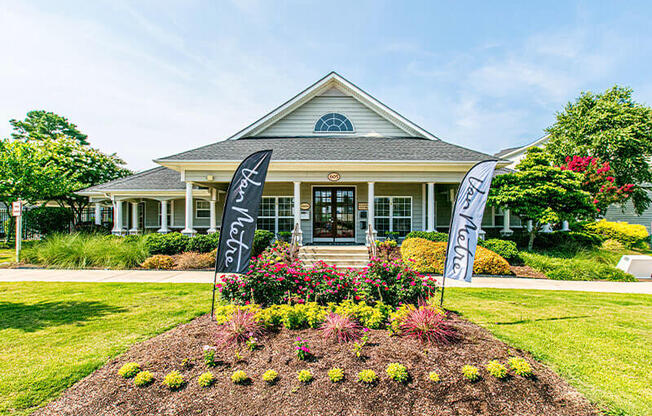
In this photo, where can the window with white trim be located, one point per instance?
(202, 209)
(393, 214)
(276, 214)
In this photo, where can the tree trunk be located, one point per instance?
(530, 243)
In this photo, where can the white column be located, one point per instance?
(189, 230)
(98, 214)
(564, 226)
(117, 217)
(213, 207)
(423, 206)
(164, 217)
(297, 212)
(134, 218)
(371, 201)
(547, 228)
(506, 223)
(431, 207)
(529, 225)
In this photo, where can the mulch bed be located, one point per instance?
(105, 393)
(527, 271)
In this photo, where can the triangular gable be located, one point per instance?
(333, 85)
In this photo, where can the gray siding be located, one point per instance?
(616, 213)
(301, 122)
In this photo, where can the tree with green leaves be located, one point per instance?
(541, 193)
(48, 159)
(613, 128)
(41, 125)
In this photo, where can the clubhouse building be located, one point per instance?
(344, 165)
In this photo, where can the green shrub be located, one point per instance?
(336, 374)
(471, 373)
(434, 377)
(612, 245)
(520, 366)
(428, 235)
(630, 235)
(557, 268)
(203, 243)
(239, 377)
(304, 376)
(129, 370)
(48, 220)
(76, 251)
(144, 378)
(397, 372)
(209, 356)
(174, 380)
(367, 376)
(429, 256)
(170, 244)
(158, 262)
(270, 376)
(504, 248)
(496, 369)
(262, 240)
(206, 379)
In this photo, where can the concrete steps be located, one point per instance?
(355, 257)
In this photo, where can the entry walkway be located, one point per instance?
(153, 276)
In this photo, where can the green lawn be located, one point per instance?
(600, 343)
(52, 335)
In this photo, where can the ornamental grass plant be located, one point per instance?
(340, 328)
(239, 328)
(77, 251)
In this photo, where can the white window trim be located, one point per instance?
(276, 217)
(197, 201)
(333, 132)
(391, 210)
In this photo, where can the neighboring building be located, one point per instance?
(342, 161)
(614, 213)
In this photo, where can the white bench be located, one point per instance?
(638, 265)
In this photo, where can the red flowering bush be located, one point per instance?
(393, 282)
(271, 281)
(598, 181)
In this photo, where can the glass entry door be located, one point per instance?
(333, 214)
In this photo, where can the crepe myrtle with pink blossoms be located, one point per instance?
(269, 281)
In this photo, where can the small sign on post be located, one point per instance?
(17, 211)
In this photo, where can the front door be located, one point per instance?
(333, 214)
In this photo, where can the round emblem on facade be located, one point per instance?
(304, 206)
(334, 176)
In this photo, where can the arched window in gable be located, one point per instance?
(333, 123)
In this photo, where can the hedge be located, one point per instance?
(177, 243)
(48, 220)
(504, 248)
(428, 257)
(574, 269)
(630, 235)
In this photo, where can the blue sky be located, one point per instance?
(147, 79)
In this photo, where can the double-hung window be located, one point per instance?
(276, 214)
(393, 214)
(202, 209)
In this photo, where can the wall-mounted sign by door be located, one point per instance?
(334, 176)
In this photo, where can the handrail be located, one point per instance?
(296, 241)
(371, 241)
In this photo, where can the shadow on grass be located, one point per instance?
(558, 318)
(35, 316)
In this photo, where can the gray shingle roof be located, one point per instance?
(156, 178)
(334, 148)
